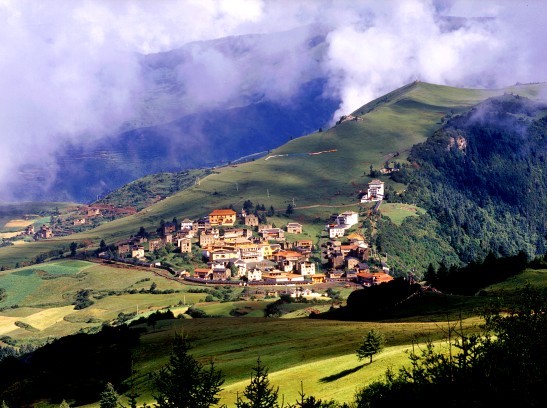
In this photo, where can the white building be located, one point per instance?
(336, 230)
(306, 268)
(375, 191)
(348, 218)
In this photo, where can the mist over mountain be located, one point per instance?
(77, 76)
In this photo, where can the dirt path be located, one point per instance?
(326, 206)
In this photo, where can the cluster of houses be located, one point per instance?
(349, 261)
(44, 232)
(85, 215)
(236, 253)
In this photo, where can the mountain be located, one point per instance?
(324, 173)
(201, 105)
(482, 176)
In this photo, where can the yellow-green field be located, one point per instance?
(320, 353)
(42, 295)
(397, 212)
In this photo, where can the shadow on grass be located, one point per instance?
(341, 374)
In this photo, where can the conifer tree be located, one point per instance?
(259, 393)
(184, 382)
(109, 397)
(373, 343)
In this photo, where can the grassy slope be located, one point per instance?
(319, 352)
(390, 124)
(44, 293)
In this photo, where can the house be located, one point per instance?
(375, 191)
(251, 252)
(336, 230)
(29, 230)
(348, 218)
(169, 228)
(185, 245)
(45, 232)
(203, 273)
(237, 232)
(305, 268)
(351, 262)
(225, 217)
(294, 228)
(220, 272)
(224, 255)
(123, 249)
(355, 237)
(154, 244)
(370, 279)
(273, 233)
(251, 220)
(281, 278)
(92, 212)
(317, 278)
(362, 267)
(206, 239)
(187, 225)
(253, 275)
(79, 221)
(304, 245)
(137, 251)
(335, 274)
(201, 224)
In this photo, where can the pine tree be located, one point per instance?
(373, 343)
(184, 382)
(259, 393)
(109, 397)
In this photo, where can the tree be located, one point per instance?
(248, 205)
(109, 397)
(64, 404)
(373, 343)
(259, 393)
(73, 247)
(290, 209)
(184, 382)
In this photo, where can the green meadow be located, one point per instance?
(44, 293)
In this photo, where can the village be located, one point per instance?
(237, 248)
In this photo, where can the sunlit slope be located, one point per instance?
(389, 125)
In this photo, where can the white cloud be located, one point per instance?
(69, 69)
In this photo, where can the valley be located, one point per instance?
(57, 288)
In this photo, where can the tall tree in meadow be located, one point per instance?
(259, 393)
(184, 382)
(373, 343)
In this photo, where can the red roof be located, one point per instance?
(226, 211)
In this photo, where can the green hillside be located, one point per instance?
(331, 181)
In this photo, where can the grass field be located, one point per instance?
(392, 124)
(320, 353)
(397, 212)
(41, 296)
